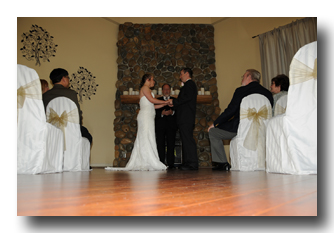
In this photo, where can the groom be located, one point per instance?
(185, 108)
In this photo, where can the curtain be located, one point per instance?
(277, 47)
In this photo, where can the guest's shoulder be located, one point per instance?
(73, 91)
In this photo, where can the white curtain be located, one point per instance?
(278, 46)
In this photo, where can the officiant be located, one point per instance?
(165, 129)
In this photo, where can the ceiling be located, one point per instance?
(169, 20)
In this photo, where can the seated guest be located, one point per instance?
(165, 128)
(61, 82)
(226, 125)
(44, 85)
(279, 87)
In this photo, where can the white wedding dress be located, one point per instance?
(144, 156)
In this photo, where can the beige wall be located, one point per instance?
(91, 43)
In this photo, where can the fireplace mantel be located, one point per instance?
(134, 99)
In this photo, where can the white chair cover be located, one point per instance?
(39, 144)
(247, 149)
(280, 106)
(292, 137)
(63, 113)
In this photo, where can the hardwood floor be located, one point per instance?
(166, 193)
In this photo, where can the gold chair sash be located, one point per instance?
(62, 120)
(256, 135)
(30, 90)
(257, 128)
(299, 72)
(279, 109)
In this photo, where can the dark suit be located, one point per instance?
(185, 106)
(226, 125)
(165, 128)
(59, 90)
(224, 121)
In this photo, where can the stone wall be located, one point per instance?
(164, 49)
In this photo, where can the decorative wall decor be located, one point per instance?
(83, 82)
(38, 44)
(164, 49)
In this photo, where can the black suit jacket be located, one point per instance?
(185, 104)
(165, 121)
(59, 90)
(229, 119)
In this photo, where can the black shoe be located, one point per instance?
(227, 167)
(171, 168)
(188, 168)
(222, 167)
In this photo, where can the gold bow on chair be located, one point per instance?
(299, 72)
(30, 90)
(256, 134)
(279, 110)
(257, 129)
(61, 121)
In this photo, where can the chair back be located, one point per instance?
(248, 151)
(31, 124)
(292, 137)
(301, 112)
(302, 95)
(63, 113)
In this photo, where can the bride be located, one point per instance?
(144, 156)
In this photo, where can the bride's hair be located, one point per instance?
(144, 78)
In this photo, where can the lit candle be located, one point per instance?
(202, 90)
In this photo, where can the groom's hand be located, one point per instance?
(170, 102)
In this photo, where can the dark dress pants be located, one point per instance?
(189, 147)
(85, 133)
(163, 135)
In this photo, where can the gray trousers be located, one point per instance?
(217, 147)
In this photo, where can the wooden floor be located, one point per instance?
(166, 193)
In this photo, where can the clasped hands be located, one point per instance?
(169, 102)
(167, 112)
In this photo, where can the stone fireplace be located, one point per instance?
(163, 50)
